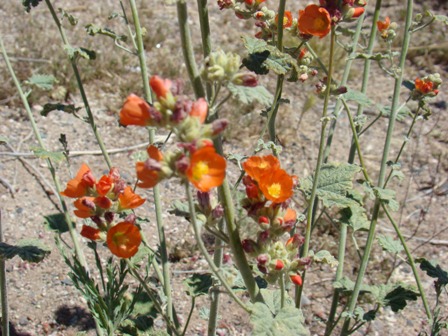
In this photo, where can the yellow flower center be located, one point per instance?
(275, 189)
(263, 165)
(200, 169)
(319, 24)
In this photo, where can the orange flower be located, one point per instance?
(85, 207)
(207, 169)
(160, 86)
(383, 25)
(78, 186)
(314, 20)
(135, 111)
(257, 166)
(296, 279)
(149, 177)
(287, 19)
(424, 86)
(124, 239)
(277, 186)
(104, 185)
(90, 233)
(129, 200)
(199, 109)
(358, 12)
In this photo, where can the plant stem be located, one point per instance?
(281, 282)
(383, 167)
(3, 288)
(204, 251)
(80, 86)
(193, 302)
(206, 39)
(70, 223)
(187, 49)
(313, 197)
(411, 262)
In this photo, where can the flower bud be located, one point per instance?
(249, 246)
(219, 125)
(204, 201)
(218, 212)
(199, 110)
(279, 265)
(161, 87)
(109, 216)
(296, 279)
(182, 164)
(131, 218)
(88, 179)
(181, 110)
(248, 79)
(262, 259)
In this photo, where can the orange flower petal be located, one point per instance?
(257, 166)
(90, 233)
(77, 187)
(85, 207)
(277, 186)
(383, 25)
(207, 169)
(129, 200)
(135, 111)
(124, 239)
(287, 19)
(104, 185)
(314, 20)
(160, 86)
(199, 109)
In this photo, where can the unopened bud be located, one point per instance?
(109, 217)
(279, 265)
(131, 218)
(262, 259)
(219, 125)
(248, 79)
(182, 164)
(249, 246)
(204, 200)
(296, 279)
(88, 179)
(153, 165)
(218, 212)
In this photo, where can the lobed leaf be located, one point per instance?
(30, 3)
(72, 19)
(198, 284)
(358, 97)
(389, 244)
(57, 223)
(324, 256)
(70, 108)
(44, 82)
(44, 154)
(249, 95)
(28, 250)
(74, 53)
(387, 196)
(434, 270)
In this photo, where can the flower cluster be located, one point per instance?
(387, 29)
(268, 192)
(196, 160)
(427, 86)
(100, 200)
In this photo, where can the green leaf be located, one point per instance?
(410, 85)
(355, 216)
(374, 57)
(3, 140)
(56, 222)
(402, 113)
(398, 297)
(74, 53)
(198, 284)
(249, 95)
(387, 196)
(346, 286)
(358, 97)
(71, 109)
(334, 184)
(180, 209)
(434, 270)
(272, 299)
(28, 250)
(43, 154)
(441, 18)
(288, 322)
(255, 62)
(44, 82)
(389, 244)
(324, 256)
(73, 20)
(93, 30)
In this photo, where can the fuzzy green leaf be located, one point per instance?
(324, 256)
(56, 222)
(334, 184)
(397, 298)
(402, 113)
(434, 270)
(198, 284)
(389, 244)
(43, 154)
(346, 286)
(72, 19)
(358, 97)
(288, 322)
(44, 82)
(387, 196)
(70, 108)
(249, 95)
(355, 216)
(441, 18)
(28, 250)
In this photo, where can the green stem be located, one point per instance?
(408, 134)
(383, 167)
(193, 302)
(187, 48)
(153, 298)
(80, 86)
(411, 262)
(3, 288)
(281, 14)
(206, 39)
(312, 201)
(281, 282)
(68, 219)
(204, 251)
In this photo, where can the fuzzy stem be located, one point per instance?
(204, 251)
(187, 49)
(206, 39)
(80, 86)
(71, 226)
(383, 167)
(3, 288)
(193, 302)
(320, 156)
(281, 282)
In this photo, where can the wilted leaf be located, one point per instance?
(56, 222)
(93, 30)
(44, 82)
(389, 244)
(198, 284)
(433, 270)
(80, 52)
(28, 250)
(73, 20)
(248, 95)
(70, 108)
